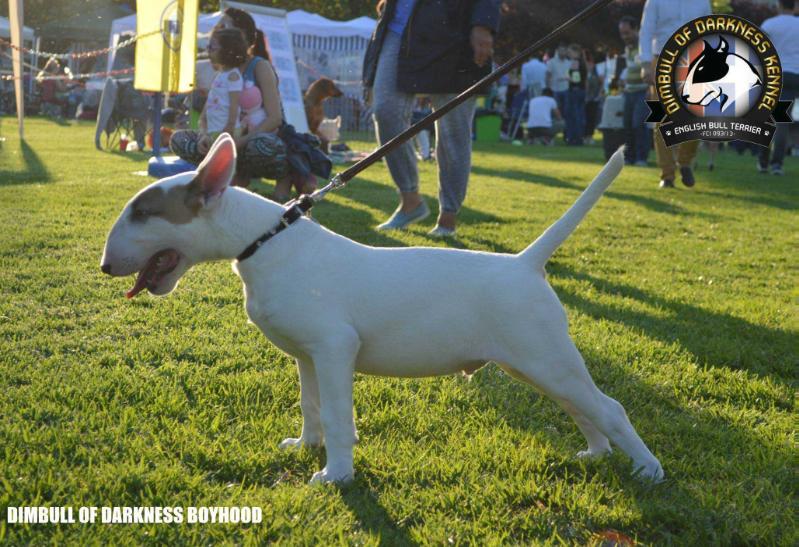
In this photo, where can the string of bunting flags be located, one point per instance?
(80, 55)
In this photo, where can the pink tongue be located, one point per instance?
(139, 286)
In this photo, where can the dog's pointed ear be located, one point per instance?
(708, 47)
(216, 170)
(723, 45)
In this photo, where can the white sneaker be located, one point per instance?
(441, 232)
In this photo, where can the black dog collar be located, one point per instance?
(298, 208)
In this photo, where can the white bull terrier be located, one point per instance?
(340, 307)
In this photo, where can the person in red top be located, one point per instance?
(53, 91)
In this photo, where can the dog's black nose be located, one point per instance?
(685, 98)
(106, 268)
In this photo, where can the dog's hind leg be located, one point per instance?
(334, 363)
(598, 443)
(309, 403)
(563, 377)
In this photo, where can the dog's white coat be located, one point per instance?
(340, 307)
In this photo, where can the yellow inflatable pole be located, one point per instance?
(166, 52)
(166, 49)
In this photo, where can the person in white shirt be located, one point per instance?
(557, 75)
(534, 76)
(658, 22)
(783, 31)
(540, 119)
(227, 50)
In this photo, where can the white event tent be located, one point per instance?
(322, 47)
(5, 30)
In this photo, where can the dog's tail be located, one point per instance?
(542, 248)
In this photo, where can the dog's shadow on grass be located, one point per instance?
(370, 513)
(34, 170)
(760, 350)
(652, 204)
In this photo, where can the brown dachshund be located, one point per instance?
(317, 93)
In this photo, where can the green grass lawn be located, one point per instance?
(683, 302)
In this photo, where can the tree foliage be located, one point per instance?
(38, 12)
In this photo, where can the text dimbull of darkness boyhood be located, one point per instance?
(134, 515)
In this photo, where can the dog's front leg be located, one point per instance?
(309, 403)
(334, 372)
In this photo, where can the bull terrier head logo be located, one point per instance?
(718, 74)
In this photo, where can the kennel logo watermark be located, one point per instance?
(718, 78)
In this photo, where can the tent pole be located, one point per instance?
(16, 18)
(159, 102)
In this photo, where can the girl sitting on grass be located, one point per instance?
(272, 149)
(227, 50)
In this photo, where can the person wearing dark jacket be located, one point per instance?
(436, 48)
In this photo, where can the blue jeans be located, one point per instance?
(560, 98)
(790, 90)
(575, 116)
(637, 134)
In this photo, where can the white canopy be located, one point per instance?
(5, 30)
(302, 22)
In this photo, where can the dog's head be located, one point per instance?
(166, 228)
(324, 88)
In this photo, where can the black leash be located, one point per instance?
(303, 204)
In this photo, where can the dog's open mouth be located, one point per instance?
(159, 265)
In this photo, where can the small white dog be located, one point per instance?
(393, 312)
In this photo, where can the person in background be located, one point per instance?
(574, 110)
(540, 125)
(659, 21)
(53, 89)
(227, 50)
(607, 69)
(593, 95)
(612, 122)
(784, 33)
(406, 57)
(261, 153)
(534, 76)
(557, 75)
(635, 90)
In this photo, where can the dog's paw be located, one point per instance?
(326, 476)
(651, 472)
(593, 453)
(297, 443)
